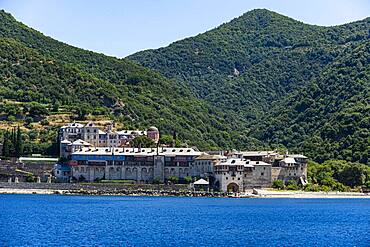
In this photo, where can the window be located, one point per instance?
(262, 173)
(227, 178)
(238, 178)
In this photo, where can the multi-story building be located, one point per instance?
(291, 167)
(204, 164)
(142, 165)
(98, 138)
(96, 154)
(236, 175)
(70, 132)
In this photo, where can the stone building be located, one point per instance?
(142, 165)
(96, 154)
(265, 156)
(291, 167)
(98, 138)
(237, 175)
(204, 164)
(70, 132)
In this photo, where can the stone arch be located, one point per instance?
(233, 187)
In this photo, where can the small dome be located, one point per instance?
(152, 128)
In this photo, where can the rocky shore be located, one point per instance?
(104, 189)
(157, 190)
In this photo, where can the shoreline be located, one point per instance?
(261, 194)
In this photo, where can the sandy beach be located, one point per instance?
(261, 193)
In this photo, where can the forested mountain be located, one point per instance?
(262, 80)
(38, 69)
(290, 83)
(330, 117)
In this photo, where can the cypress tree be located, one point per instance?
(6, 144)
(12, 141)
(18, 143)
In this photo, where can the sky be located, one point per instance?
(122, 27)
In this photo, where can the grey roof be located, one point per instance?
(137, 151)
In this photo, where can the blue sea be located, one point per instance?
(48, 220)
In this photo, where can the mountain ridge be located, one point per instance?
(255, 62)
(245, 84)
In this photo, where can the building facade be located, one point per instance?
(95, 154)
(143, 165)
(237, 175)
(96, 137)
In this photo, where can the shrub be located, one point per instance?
(156, 180)
(278, 184)
(312, 187)
(325, 188)
(188, 179)
(292, 185)
(44, 122)
(173, 179)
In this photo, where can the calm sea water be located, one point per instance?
(44, 220)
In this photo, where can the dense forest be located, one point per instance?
(290, 84)
(261, 81)
(39, 71)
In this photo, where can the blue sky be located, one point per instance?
(122, 27)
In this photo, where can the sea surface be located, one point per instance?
(52, 220)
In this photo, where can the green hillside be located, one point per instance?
(38, 69)
(257, 66)
(330, 117)
(262, 80)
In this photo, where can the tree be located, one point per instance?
(81, 113)
(18, 143)
(166, 139)
(156, 180)
(278, 184)
(188, 179)
(142, 142)
(173, 179)
(292, 185)
(7, 144)
(354, 175)
(56, 106)
(28, 121)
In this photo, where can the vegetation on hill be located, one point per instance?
(46, 74)
(286, 83)
(337, 175)
(262, 80)
(330, 117)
